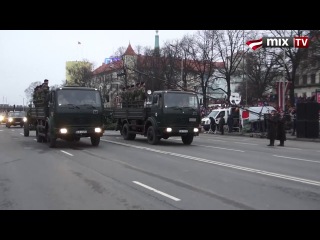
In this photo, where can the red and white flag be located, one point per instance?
(255, 44)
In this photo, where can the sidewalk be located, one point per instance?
(259, 135)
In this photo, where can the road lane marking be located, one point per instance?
(230, 149)
(35, 139)
(1, 130)
(266, 173)
(66, 153)
(157, 191)
(292, 148)
(246, 143)
(21, 134)
(12, 130)
(299, 159)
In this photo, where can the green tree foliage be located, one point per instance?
(80, 73)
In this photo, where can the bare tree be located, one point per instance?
(261, 70)
(230, 46)
(202, 58)
(29, 91)
(292, 59)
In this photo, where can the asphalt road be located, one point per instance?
(215, 173)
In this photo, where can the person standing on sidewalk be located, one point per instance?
(222, 122)
(272, 127)
(293, 114)
(281, 131)
(230, 122)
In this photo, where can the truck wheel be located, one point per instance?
(125, 132)
(151, 136)
(95, 141)
(51, 140)
(26, 130)
(187, 140)
(37, 135)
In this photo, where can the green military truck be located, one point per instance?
(68, 113)
(164, 114)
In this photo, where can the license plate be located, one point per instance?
(81, 131)
(192, 119)
(183, 131)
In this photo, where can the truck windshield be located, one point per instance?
(78, 97)
(180, 100)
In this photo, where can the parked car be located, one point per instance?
(16, 118)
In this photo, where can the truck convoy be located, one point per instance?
(163, 114)
(68, 113)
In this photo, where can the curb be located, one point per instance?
(257, 135)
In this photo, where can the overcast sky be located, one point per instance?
(27, 56)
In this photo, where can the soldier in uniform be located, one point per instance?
(272, 127)
(281, 131)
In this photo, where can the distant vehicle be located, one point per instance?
(3, 117)
(16, 118)
(216, 114)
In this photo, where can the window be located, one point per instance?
(296, 81)
(313, 78)
(305, 80)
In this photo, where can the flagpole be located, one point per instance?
(284, 80)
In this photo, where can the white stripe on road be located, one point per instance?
(66, 152)
(293, 148)
(157, 191)
(21, 134)
(35, 139)
(296, 179)
(1, 130)
(299, 159)
(229, 149)
(246, 143)
(12, 130)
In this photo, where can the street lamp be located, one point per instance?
(22, 103)
(181, 67)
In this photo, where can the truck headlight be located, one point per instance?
(1, 118)
(63, 130)
(25, 119)
(10, 119)
(168, 129)
(97, 130)
(196, 129)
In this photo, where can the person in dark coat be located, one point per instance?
(222, 122)
(281, 131)
(212, 125)
(272, 127)
(230, 122)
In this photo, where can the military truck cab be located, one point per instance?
(70, 113)
(164, 114)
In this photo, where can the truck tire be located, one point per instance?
(51, 140)
(151, 136)
(95, 140)
(125, 133)
(26, 129)
(187, 140)
(39, 138)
